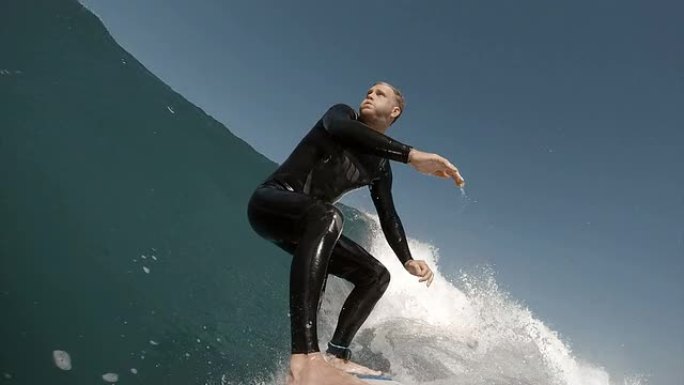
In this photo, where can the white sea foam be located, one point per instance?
(462, 332)
(466, 331)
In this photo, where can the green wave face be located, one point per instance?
(125, 250)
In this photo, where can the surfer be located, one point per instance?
(293, 208)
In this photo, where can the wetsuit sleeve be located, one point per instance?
(340, 121)
(381, 193)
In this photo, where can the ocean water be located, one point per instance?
(124, 243)
(126, 256)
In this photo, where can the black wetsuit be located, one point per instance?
(294, 209)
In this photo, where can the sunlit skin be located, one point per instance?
(377, 110)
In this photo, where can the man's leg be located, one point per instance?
(323, 227)
(309, 230)
(370, 278)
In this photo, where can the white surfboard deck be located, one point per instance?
(378, 380)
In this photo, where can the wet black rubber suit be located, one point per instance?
(294, 209)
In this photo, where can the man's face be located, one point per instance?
(379, 104)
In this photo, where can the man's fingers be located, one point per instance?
(423, 271)
(458, 178)
(424, 277)
(429, 276)
(449, 165)
(451, 174)
(452, 171)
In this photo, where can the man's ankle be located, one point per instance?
(339, 351)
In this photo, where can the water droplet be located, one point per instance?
(110, 377)
(62, 359)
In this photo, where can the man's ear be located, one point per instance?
(395, 112)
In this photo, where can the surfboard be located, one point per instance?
(378, 380)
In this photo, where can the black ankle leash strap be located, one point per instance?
(339, 351)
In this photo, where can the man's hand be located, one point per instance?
(420, 269)
(433, 164)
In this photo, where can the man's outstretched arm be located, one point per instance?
(340, 121)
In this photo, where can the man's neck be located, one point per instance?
(376, 126)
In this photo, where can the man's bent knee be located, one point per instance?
(383, 280)
(327, 214)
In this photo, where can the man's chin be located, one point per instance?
(366, 111)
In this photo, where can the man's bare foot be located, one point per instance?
(312, 369)
(350, 367)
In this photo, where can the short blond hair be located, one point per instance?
(401, 103)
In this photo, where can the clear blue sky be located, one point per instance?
(565, 118)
